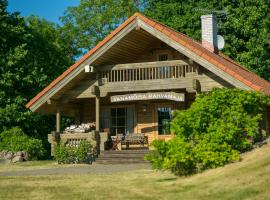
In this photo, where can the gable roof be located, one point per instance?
(219, 60)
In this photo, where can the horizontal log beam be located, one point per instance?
(142, 65)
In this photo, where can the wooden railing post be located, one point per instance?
(97, 112)
(97, 94)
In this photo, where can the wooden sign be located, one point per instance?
(149, 96)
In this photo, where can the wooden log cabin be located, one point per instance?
(133, 80)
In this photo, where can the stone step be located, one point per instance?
(111, 162)
(126, 152)
(122, 157)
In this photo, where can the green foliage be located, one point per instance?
(15, 140)
(247, 23)
(34, 51)
(82, 153)
(32, 54)
(212, 132)
(67, 154)
(64, 154)
(157, 157)
(175, 155)
(88, 23)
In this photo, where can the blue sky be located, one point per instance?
(48, 9)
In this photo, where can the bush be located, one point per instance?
(15, 140)
(68, 154)
(175, 155)
(212, 132)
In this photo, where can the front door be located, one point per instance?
(163, 116)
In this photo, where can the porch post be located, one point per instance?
(58, 120)
(97, 112)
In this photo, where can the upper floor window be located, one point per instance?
(163, 57)
(163, 70)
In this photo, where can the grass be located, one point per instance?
(44, 164)
(248, 179)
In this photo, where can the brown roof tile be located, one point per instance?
(221, 61)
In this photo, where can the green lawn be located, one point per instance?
(44, 164)
(248, 179)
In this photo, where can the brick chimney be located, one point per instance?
(209, 32)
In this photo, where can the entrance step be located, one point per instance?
(122, 157)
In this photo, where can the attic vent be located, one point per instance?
(162, 45)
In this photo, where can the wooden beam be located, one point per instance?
(192, 56)
(143, 65)
(97, 112)
(58, 119)
(80, 68)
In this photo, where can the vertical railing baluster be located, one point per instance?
(111, 76)
(121, 75)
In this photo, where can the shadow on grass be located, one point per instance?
(167, 179)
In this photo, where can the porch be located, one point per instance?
(126, 99)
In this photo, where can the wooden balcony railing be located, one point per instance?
(146, 71)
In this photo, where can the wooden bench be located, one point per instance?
(135, 139)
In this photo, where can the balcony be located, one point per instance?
(174, 74)
(146, 71)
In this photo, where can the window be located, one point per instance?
(164, 118)
(163, 70)
(163, 57)
(122, 120)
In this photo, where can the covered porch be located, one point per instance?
(123, 101)
(128, 121)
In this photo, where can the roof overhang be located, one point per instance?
(178, 41)
(78, 67)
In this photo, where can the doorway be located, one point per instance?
(120, 120)
(163, 115)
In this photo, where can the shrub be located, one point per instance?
(68, 154)
(15, 140)
(212, 132)
(63, 154)
(175, 155)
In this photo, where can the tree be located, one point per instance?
(246, 28)
(32, 54)
(91, 21)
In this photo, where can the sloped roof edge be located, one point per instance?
(219, 60)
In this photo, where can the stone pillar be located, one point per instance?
(97, 112)
(58, 120)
